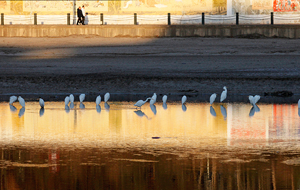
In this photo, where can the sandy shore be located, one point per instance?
(137, 67)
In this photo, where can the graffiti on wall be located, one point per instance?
(116, 7)
(252, 7)
(52, 7)
(5, 6)
(286, 5)
(262, 4)
(173, 6)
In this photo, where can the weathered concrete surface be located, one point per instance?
(281, 31)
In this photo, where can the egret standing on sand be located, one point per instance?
(21, 101)
(224, 94)
(140, 103)
(153, 99)
(98, 100)
(42, 103)
(12, 99)
(106, 97)
(212, 98)
(81, 97)
(183, 99)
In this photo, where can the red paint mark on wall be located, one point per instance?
(286, 5)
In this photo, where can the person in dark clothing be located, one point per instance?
(79, 15)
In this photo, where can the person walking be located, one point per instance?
(79, 15)
(83, 14)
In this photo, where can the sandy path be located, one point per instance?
(193, 66)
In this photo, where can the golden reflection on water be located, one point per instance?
(120, 122)
(120, 147)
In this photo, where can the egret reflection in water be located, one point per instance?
(252, 112)
(98, 108)
(153, 108)
(21, 112)
(183, 107)
(212, 111)
(72, 105)
(256, 108)
(67, 108)
(12, 108)
(81, 105)
(42, 111)
(140, 113)
(107, 106)
(223, 111)
(165, 106)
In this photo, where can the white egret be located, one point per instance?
(254, 100)
(21, 101)
(98, 100)
(164, 99)
(224, 94)
(140, 103)
(42, 102)
(12, 99)
(81, 97)
(71, 98)
(153, 99)
(106, 97)
(67, 100)
(299, 103)
(251, 99)
(183, 99)
(212, 98)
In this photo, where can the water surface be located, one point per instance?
(116, 146)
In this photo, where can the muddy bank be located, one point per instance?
(138, 67)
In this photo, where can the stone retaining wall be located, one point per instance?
(282, 31)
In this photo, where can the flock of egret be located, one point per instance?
(70, 100)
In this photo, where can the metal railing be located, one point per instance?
(168, 19)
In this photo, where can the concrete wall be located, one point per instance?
(282, 31)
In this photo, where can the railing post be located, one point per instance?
(101, 18)
(68, 18)
(135, 19)
(237, 19)
(35, 19)
(169, 18)
(272, 18)
(203, 18)
(2, 18)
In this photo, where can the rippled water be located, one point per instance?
(115, 146)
